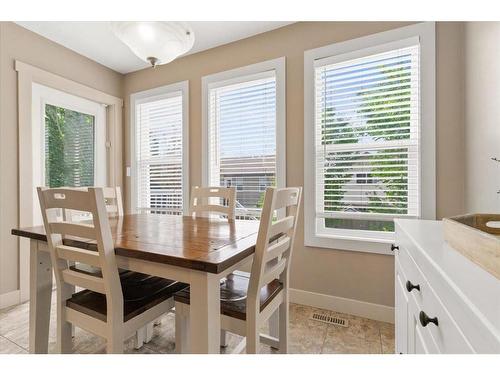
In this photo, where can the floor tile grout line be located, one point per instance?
(150, 348)
(15, 343)
(380, 338)
(324, 339)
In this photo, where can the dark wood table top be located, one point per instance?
(204, 244)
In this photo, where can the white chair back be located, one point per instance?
(206, 200)
(90, 200)
(274, 242)
(112, 198)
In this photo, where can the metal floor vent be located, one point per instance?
(330, 319)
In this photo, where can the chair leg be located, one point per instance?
(223, 338)
(64, 328)
(253, 337)
(73, 290)
(140, 337)
(114, 343)
(181, 329)
(274, 330)
(149, 332)
(283, 326)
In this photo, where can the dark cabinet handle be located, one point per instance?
(410, 286)
(394, 247)
(424, 319)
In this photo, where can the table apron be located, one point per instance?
(164, 270)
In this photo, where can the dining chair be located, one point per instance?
(114, 208)
(249, 300)
(111, 305)
(214, 199)
(206, 200)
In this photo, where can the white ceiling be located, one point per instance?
(96, 41)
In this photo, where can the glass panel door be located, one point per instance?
(69, 142)
(69, 147)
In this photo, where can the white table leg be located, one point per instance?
(223, 338)
(149, 332)
(182, 331)
(40, 298)
(284, 319)
(204, 313)
(140, 336)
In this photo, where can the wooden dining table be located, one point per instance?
(196, 251)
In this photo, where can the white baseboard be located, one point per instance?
(343, 305)
(9, 299)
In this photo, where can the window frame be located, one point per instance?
(239, 75)
(151, 95)
(359, 240)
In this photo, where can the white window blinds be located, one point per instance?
(367, 125)
(242, 140)
(159, 155)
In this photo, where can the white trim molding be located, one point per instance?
(239, 75)
(422, 34)
(27, 76)
(363, 309)
(158, 93)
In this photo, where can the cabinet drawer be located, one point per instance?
(446, 335)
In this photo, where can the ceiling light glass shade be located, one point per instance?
(155, 42)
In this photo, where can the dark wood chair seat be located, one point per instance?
(140, 293)
(91, 270)
(233, 293)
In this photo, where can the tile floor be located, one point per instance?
(363, 336)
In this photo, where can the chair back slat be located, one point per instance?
(274, 242)
(281, 226)
(277, 248)
(84, 280)
(286, 198)
(112, 197)
(89, 200)
(113, 194)
(74, 229)
(75, 254)
(213, 208)
(112, 209)
(273, 271)
(205, 200)
(67, 199)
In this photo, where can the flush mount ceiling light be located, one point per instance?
(155, 42)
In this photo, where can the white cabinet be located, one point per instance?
(401, 315)
(444, 302)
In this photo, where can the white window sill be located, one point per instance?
(351, 243)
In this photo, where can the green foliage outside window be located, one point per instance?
(391, 174)
(69, 147)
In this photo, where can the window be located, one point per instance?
(160, 169)
(244, 132)
(369, 110)
(69, 147)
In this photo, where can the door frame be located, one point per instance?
(43, 95)
(27, 76)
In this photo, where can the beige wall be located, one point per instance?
(361, 276)
(17, 43)
(482, 116)
(355, 275)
